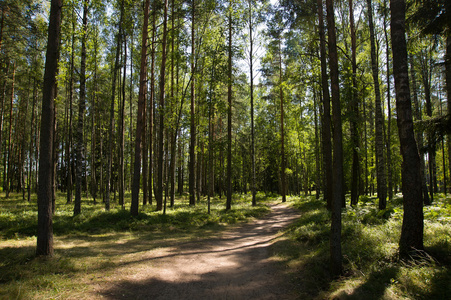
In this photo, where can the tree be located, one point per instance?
(69, 147)
(389, 123)
(192, 145)
(338, 195)
(111, 121)
(251, 77)
(229, 109)
(355, 115)
(326, 118)
(380, 160)
(282, 130)
(412, 224)
(434, 17)
(80, 159)
(45, 224)
(141, 112)
(159, 189)
(151, 103)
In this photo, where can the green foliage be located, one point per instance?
(370, 250)
(18, 219)
(88, 242)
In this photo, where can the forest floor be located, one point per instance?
(235, 265)
(268, 251)
(185, 254)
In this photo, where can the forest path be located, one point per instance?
(235, 265)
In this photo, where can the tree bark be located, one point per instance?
(412, 225)
(338, 195)
(282, 127)
(431, 145)
(32, 141)
(326, 120)
(141, 111)
(192, 145)
(160, 188)
(388, 137)
(10, 141)
(229, 113)
(355, 115)
(251, 70)
(94, 187)
(151, 108)
(448, 86)
(111, 123)
(122, 130)
(45, 225)
(2, 106)
(317, 149)
(69, 137)
(80, 161)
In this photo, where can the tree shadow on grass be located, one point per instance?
(310, 275)
(375, 285)
(440, 286)
(12, 260)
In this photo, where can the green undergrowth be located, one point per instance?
(18, 218)
(370, 252)
(96, 242)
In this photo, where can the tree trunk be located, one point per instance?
(229, 113)
(380, 160)
(145, 153)
(338, 195)
(412, 225)
(69, 137)
(448, 86)
(81, 112)
(32, 144)
(55, 156)
(122, 131)
(94, 187)
(355, 115)
(282, 133)
(151, 108)
(317, 150)
(2, 22)
(326, 122)
(192, 145)
(111, 123)
(159, 196)
(2, 106)
(45, 225)
(251, 69)
(431, 144)
(141, 111)
(173, 131)
(22, 165)
(389, 161)
(10, 140)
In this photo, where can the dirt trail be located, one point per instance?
(233, 266)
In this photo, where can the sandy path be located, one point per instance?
(233, 266)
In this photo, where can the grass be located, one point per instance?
(370, 252)
(89, 247)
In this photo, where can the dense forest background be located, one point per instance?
(214, 98)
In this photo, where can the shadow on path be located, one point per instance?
(233, 266)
